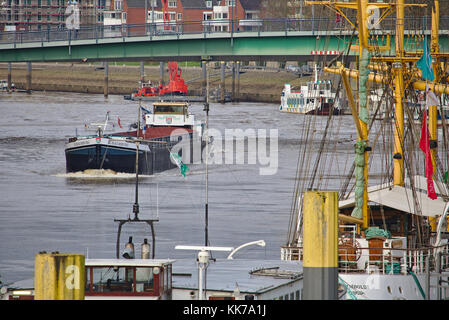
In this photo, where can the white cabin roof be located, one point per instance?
(128, 262)
(401, 198)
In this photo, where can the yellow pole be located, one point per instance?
(320, 238)
(59, 276)
(378, 78)
(398, 159)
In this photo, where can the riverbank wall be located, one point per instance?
(253, 85)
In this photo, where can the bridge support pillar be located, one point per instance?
(223, 82)
(106, 79)
(9, 76)
(142, 71)
(28, 78)
(161, 72)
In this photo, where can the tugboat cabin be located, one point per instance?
(170, 114)
(128, 278)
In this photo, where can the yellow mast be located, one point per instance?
(399, 63)
(398, 157)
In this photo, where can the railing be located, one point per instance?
(383, 260)
(414, 25)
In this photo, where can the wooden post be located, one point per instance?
(161, 72)
(233, 81)
(238, 82)
(9, 76)
(106, 79)
(59, 276)
(204, 74)
(320, 239)
(223, 82)
(142, 72)
(28, 78)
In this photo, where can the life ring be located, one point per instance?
(301, 95)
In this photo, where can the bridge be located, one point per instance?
(275, 40)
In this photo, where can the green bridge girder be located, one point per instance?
(243, 46)
(274, 46)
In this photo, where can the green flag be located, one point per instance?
(425, 63)
(177, 159)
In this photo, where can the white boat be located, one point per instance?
(317, 97)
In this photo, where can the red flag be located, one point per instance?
(424, 145)
(119, 124)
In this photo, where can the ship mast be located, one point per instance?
(399, 64)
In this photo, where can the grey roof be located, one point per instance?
(251, 4)
(226, 275)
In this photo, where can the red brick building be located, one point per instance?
(184, 15)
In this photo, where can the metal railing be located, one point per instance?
(383, 260)
(414, 25)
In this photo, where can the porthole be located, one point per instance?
(389, 289)
(400, 290)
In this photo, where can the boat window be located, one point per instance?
(169, 109)
(144, 279)
(110, 279)
(301, 101)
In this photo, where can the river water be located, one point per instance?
(44, 209)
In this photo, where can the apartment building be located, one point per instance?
(183, 15)
(41, 15)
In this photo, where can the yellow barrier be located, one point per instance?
(59, 276)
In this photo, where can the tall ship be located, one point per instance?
(390, 173)
(316, 97)
(165, 128)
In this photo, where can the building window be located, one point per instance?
(230, 3)
(179, 16)
(208, 4)
(118, 5)
(172, 4)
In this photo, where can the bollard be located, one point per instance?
(320, 239)
(59, 276)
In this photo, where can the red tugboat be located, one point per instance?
(176, 86)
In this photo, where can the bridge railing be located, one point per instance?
(207, 27)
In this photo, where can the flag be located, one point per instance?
(119, 124)
(424, 145)
(431, 98)
(425, 63)
(177, 159)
